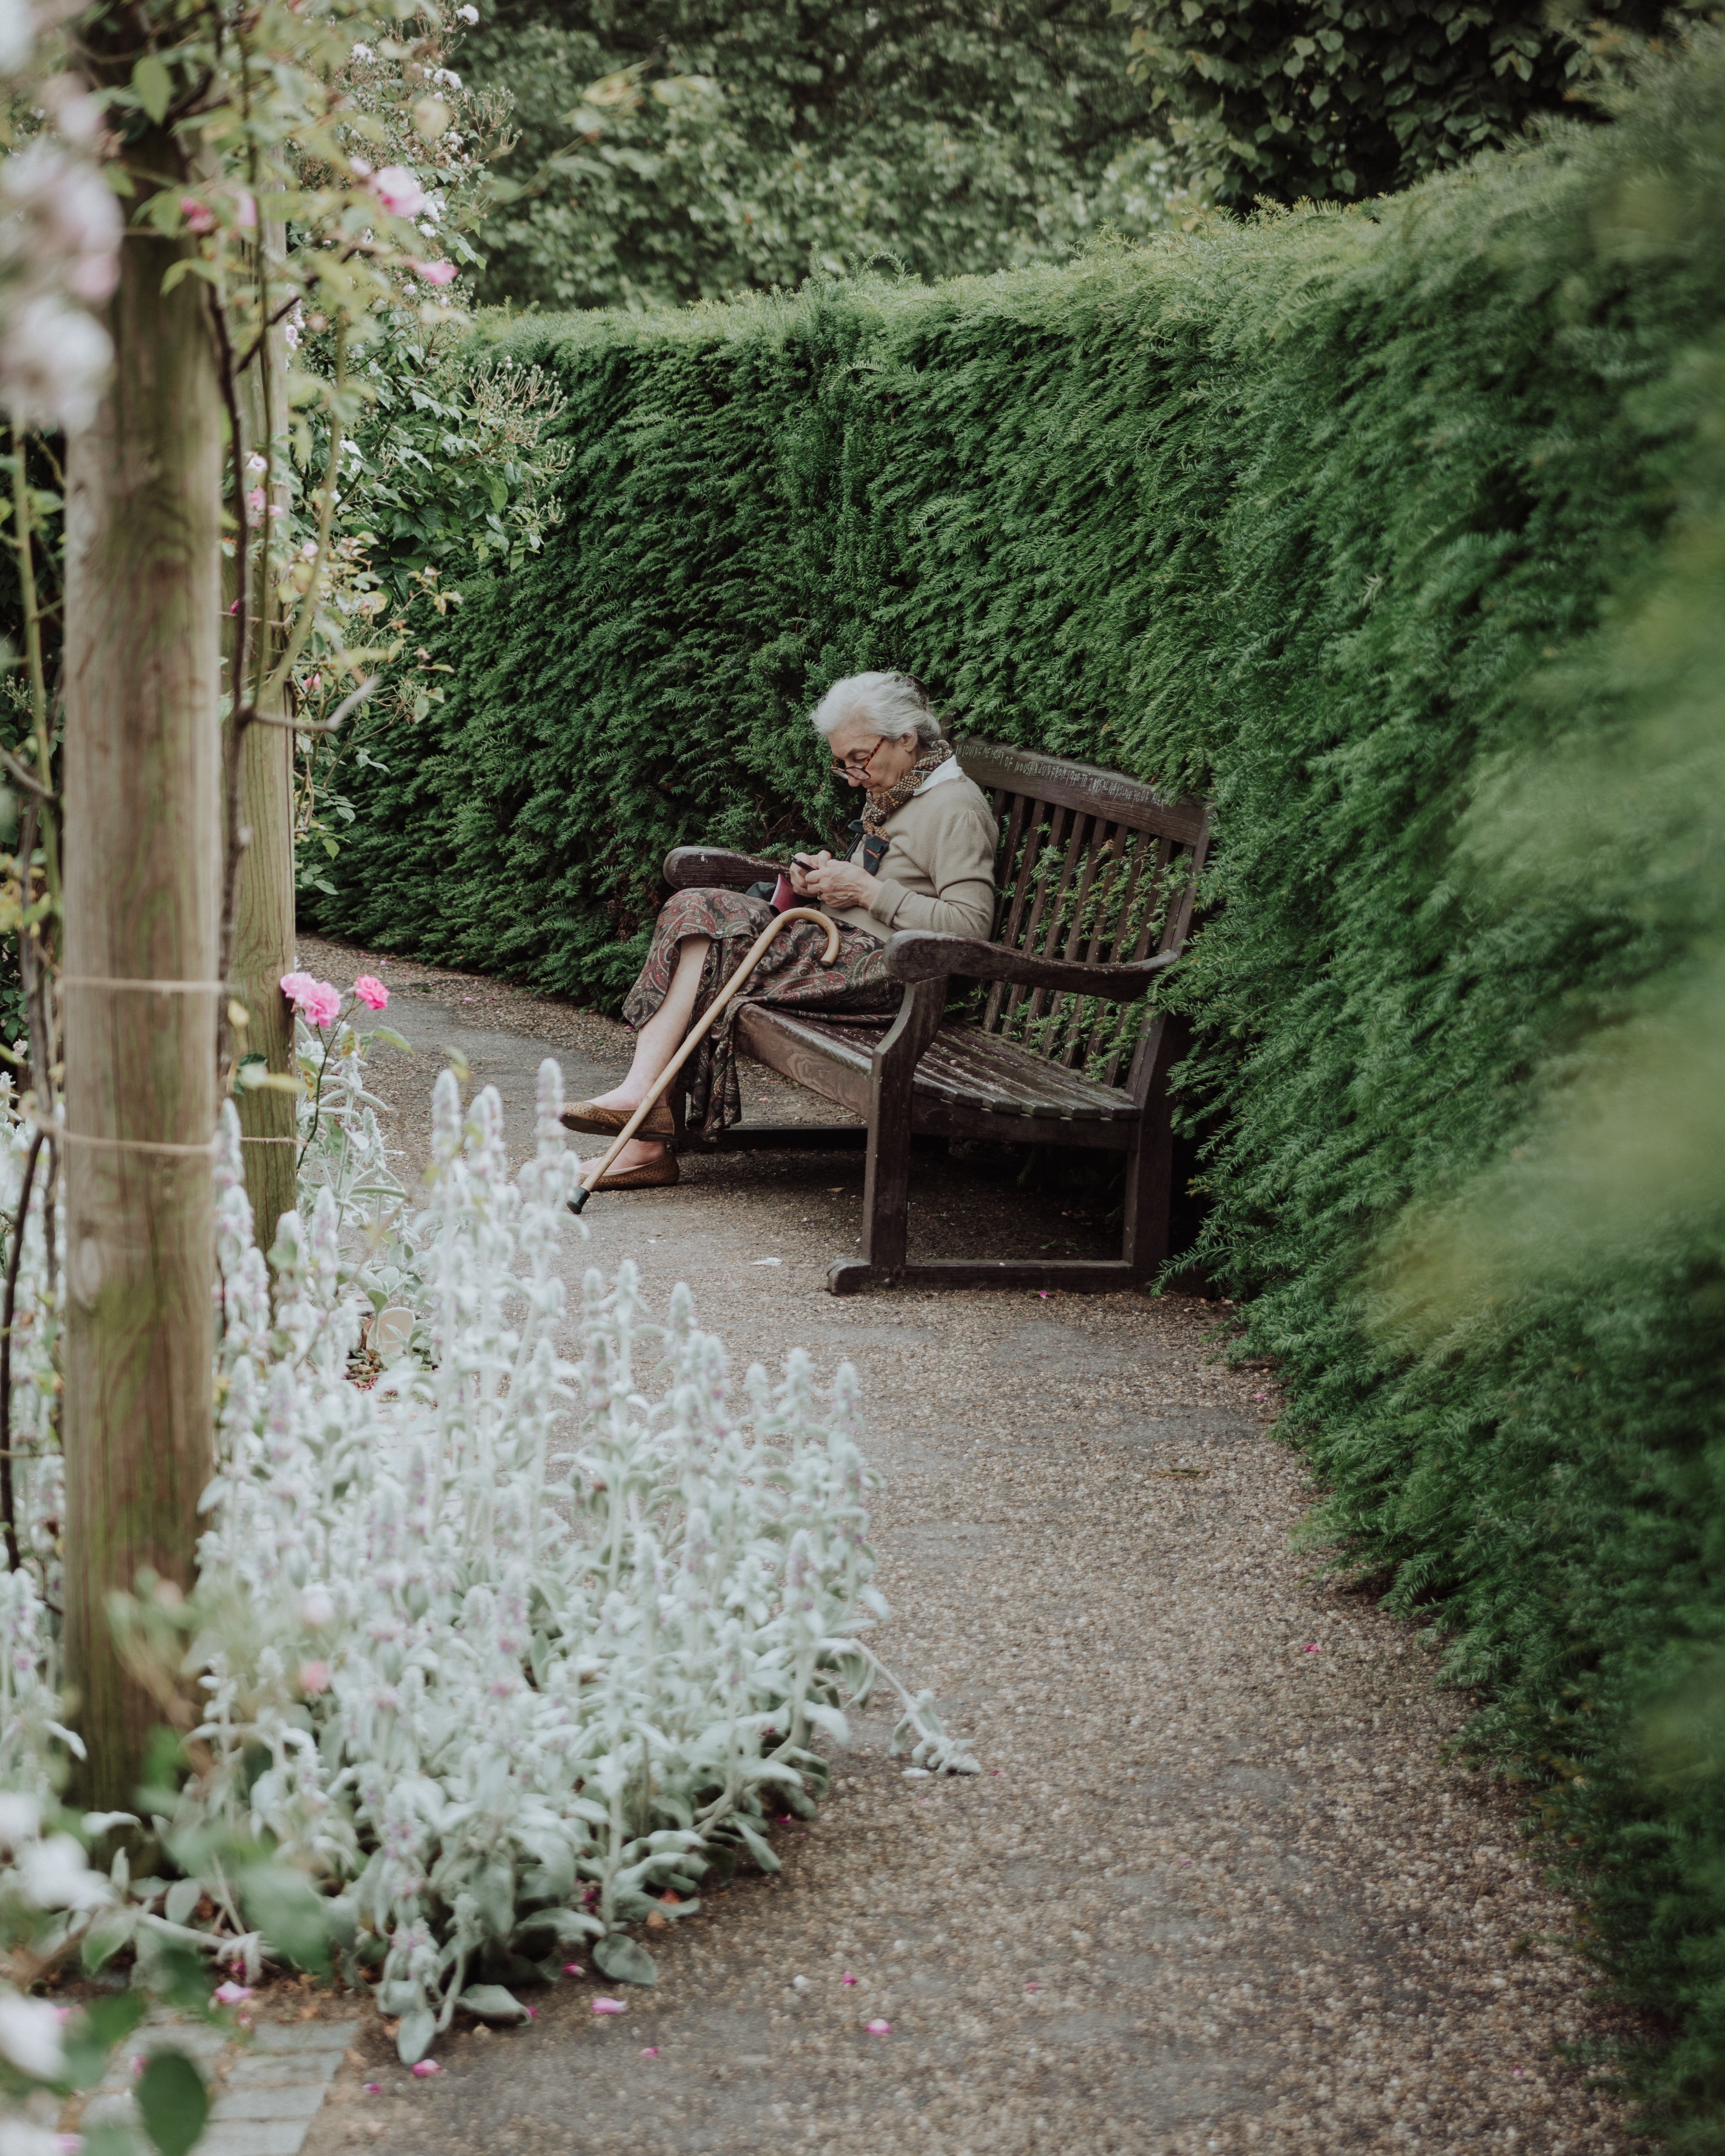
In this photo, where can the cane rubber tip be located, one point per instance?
(577, 1203)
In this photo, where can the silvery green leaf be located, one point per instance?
(184, 1896)
(413, 2038)
(625, 1959)
(491, 2002)
(109, 1931)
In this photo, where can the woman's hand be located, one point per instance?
(801, 865)
(839, 883)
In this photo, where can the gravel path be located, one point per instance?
(1220, 1889)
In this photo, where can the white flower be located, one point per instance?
(448, 77)
(53, 1875)
(76, 114)
(18, 2137)
(20, 1818)
(53, 365)
(17, 33)
(467, 14)
(30, 2035)
(363, 52)
(317, 1605)
(74, 205)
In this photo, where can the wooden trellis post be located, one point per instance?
(142, 786)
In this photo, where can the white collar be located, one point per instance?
(950, 768)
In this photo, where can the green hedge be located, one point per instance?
(1338, 516)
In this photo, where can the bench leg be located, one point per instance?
(887, 1184)
(1149, 1165)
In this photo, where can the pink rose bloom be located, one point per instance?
(400, 193)
(371, 991)
(255, 500)
(432, 273)
(316, 1001)
(198, 216)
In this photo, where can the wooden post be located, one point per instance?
(263, 900)
(142, 766)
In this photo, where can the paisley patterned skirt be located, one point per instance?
(791, 974)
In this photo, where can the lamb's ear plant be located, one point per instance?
(516, 1648)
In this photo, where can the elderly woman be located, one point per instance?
(926, 859)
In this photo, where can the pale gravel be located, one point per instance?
(1215, 1893)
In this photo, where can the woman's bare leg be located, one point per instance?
(658, 1040)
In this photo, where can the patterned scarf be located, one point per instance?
(880, 805)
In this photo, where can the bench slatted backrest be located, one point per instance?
(1092, 866)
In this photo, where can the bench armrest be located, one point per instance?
(924, 954)
(686, 867)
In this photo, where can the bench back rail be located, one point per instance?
(1093, 868)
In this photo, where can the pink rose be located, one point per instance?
(371, 991)
(316, 1001)
(199, 216)
(432, 273)
(255, 500)
(400, 193)
(245, 211)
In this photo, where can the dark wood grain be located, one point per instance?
(886, 1180)
(1083, 786)
(919, 954)
(690, 868)
(1084, 1275)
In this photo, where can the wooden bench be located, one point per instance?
(1096, 875)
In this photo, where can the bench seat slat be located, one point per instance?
(961, 1068)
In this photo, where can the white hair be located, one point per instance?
(892, 704)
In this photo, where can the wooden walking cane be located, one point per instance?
(584, 1188)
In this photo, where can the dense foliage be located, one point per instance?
(1350, 98)
(723, 145)
(1354, 519)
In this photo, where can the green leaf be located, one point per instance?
(103, 2023)
(492, 2002)
(288, 1911)
(173, 2102)
(391, 1039)
(108, 1931)
(413, 2040)
(184, 1896)
(626, 1960)
(190, 265)
(153, 85)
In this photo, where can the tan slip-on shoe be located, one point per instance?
(652, 1175)
(589, 1116)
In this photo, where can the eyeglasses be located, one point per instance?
(856, 764)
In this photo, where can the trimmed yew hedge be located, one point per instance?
(1327, 516)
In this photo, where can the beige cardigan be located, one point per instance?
(938, 870)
